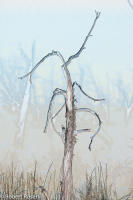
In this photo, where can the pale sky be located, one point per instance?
(63, 24)
(42, 4)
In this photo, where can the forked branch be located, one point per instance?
(57, 53)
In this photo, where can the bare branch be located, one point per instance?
(84, 43)
(99, 121)
(57, 53)
(58, 111)
(53, 53)
(61, 134)
(56, 92)
(82, 130)
(75, 83)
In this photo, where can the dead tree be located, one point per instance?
(69, 132)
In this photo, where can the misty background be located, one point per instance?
(30, 30)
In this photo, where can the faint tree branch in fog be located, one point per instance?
(124, 98)
(26, 97)
(10, 91)
(130, 4)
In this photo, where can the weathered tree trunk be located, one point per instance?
(67, 181)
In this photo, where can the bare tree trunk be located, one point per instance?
(67, 179)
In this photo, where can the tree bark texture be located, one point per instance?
(67, 179)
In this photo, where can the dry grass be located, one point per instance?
(17, 184)
(96, 187)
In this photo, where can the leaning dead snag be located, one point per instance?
(69, 132)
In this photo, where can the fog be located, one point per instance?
(30, 30)
(112, 146)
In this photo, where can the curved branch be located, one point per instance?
(53, 53)
(75, 83)
(99, 121)
(56, 92)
